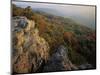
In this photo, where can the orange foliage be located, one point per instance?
(69, 37)
(42, 26)
(71, 40)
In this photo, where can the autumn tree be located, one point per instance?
(28, 12)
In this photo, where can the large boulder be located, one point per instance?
(59, 61)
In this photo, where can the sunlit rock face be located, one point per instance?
(29, 49)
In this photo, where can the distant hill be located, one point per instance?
(78, 18)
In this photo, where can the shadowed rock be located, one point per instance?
(59, 61)
(85, 66)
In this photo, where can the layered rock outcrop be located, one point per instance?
(29, 49)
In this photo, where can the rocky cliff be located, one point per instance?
(31, 52)
(29, 49)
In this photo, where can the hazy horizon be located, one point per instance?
(84, 15)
